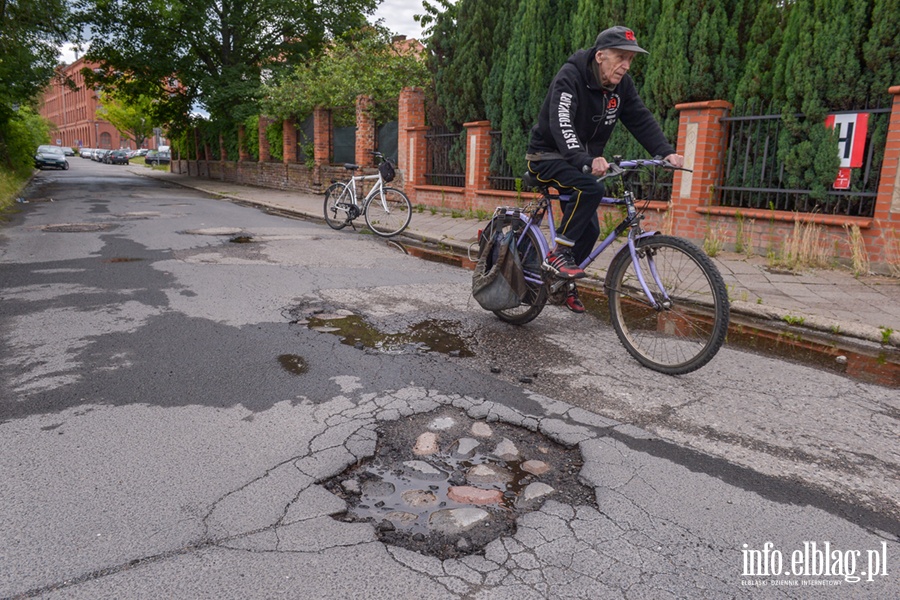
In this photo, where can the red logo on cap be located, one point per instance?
(629, 35)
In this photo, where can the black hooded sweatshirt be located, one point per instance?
(578, 116)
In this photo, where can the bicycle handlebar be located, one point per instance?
(618, 168)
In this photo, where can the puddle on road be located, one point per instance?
(432, 335)
(293, 364)
(241, 239)
(871, 364)
(122, 259)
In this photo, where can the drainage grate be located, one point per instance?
(446, 485)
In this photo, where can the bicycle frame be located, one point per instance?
(631, 222)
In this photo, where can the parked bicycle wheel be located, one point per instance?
(388, 213)
(689, 326)
(338, 203)
(530, 255)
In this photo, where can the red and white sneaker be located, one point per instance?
(573, 302)
(561, 264)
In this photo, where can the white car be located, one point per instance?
(86, 152)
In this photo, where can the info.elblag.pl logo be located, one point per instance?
(815, 564)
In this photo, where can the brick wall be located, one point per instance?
(692, 212)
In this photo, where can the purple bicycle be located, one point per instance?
(667, 301)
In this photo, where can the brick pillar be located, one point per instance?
(323, 136)
(265, 155)
(365, 131)
(289, 150)
(478, 158)
(243, 155)
(883, 240)
(411, 130)
(196, 144)
(701, 140)
(223, 152)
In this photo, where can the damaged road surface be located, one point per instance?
(201, 400)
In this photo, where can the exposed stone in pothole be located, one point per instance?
(446, 485)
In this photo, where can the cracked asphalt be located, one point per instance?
(154, 446)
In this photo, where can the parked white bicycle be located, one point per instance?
(387, 210)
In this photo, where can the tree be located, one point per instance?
(360, 62)
(881, 52)
(131, 117)
(207, 51)
(459, 83)
(19, 136)
(495, 84)
(30, 33)
(538, 47)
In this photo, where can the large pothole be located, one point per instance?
(446, 485)
(431, 335)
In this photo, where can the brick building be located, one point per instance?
(74, 113)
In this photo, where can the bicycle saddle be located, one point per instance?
(350, 166)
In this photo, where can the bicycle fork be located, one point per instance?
(635, 233)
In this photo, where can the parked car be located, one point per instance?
(86, 152)
(68, 151)
(117, 157)
(155, 157)
(142, 152)
(104, 156)
(50, 156)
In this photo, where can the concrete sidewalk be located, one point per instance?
(831, 301)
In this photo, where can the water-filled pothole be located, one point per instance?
(294, 364)
(432, 335)
(446, 485)
(241, 239)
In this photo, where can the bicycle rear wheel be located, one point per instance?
(338, 200)
(688, 328)
(529, 250)
(388, 213)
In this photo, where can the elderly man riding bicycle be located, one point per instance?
(589, 95)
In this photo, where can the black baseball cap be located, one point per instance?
(618, 37)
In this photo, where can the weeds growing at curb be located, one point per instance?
(714, 240)
(886, 333)
(857, 250)
(792, 320)
(805, 247)
(891, 244)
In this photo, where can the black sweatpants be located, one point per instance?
(579, 226)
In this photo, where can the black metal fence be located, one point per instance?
(501, 174)
(754, 176)
(646, 185)
(446, 158)
(649, 184)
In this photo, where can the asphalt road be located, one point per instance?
(170, 405)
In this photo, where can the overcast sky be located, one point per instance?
(397, 15)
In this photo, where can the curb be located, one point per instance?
(773, 316)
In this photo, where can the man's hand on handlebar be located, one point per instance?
(676, 160)
(599, 166)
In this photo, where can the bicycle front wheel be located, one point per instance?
(690, 320)
(338, 200)
(388, 213)
(530, 255)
